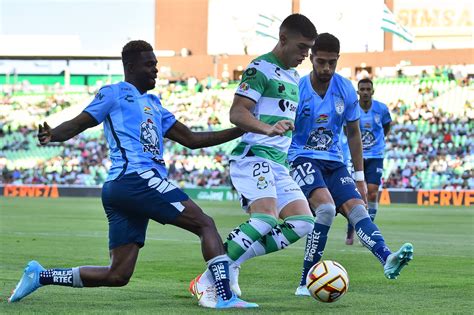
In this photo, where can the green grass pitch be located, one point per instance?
(69, 232)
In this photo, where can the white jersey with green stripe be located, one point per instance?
(274, 89)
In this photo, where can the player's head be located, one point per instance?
(139, 64)
(297, 35)
(365, 89)
(324, 56)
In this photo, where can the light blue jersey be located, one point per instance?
(134, 126)
(371, 127)
(319, 121)
(346, 153)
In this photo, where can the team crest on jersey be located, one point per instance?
(368, 139)
(377, 119)
(149, 137)
(319, 139)
(262, 183)
(339, 104)
(244, 87)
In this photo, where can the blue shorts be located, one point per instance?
(132, 200)
(311, 174)
(373, 171)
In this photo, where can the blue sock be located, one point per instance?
(57, 277)
(372, 210)
(350, 229)
(371, 237)
(315, 244)
(220, 272)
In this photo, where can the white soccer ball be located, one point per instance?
(327, 281)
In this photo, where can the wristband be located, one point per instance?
(359, 176)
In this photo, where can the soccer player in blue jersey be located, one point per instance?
(137, 188)
(327, 100)
(374, 124)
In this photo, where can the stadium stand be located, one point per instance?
(430, 147)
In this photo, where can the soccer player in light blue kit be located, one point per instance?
(374, 124)
(326, 101)
(137, 188)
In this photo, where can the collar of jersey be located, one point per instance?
(276, 61)
(134, 89)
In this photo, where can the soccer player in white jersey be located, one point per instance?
(264, 106)
(327, 100)
(375, 121)
(137, 189)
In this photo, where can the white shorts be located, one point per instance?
(255, 178)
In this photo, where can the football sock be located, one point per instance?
(219, 268)
(316, 240)
(373, 206)
(369, 233)
(242, 237)
(350, 229)
(68, 277)
(292, 229)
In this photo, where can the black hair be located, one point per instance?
(298, 23)
(365, 80)
(132, 50)
(326, 42)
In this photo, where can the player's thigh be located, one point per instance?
(290, 197)
(132, 200)
(341, 186)
(254, 180)
(193, 218)
(307, 173)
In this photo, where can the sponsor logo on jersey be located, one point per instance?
(250, 72)
(367, 125)
(281, 88)
(99, 96)
(149, 137)
(323, 118)
(147, 110)
(319, 139)
(129, 98)
(284, 105)
(368, 139)
(346, 180)
(244, 87)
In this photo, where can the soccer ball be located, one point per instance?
(327, 281)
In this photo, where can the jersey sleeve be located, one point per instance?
(102, 104)
(253, 83)
(386, 117)
(167, 120)
(351, 101)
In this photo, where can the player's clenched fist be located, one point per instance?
(44, 133)
(280, 128)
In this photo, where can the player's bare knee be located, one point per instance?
(119, 279)
(206, 223)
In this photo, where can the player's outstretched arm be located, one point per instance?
(355, 147)
(241, 115)
(66, 130)
(195, 140)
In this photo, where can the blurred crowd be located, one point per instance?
(430, 146)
